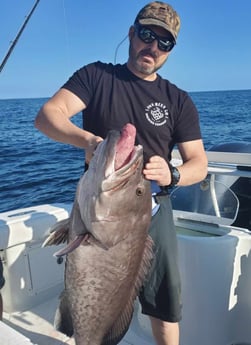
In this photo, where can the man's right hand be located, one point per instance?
(91, 147)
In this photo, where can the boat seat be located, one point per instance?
(30, 224)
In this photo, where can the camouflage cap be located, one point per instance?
(160, 14)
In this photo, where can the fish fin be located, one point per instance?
(81, 239)
(121, 326)
(145, 265)
(63, 321)
(58, 233)
(85, 239)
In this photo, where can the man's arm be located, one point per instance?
(193, 169)
(53, 120)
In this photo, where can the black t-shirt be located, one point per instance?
(163, 114)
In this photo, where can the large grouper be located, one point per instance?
(108, 251)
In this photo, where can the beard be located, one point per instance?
(141, 66)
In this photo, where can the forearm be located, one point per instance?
(192, 171)
(57, 126)
(194, 166)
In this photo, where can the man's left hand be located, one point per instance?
(158, 170)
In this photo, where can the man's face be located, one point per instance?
(146, 58)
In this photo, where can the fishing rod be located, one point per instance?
(18, 36)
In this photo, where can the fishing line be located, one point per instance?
(117, 48)
(67, 36)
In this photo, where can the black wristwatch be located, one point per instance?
(175, 177)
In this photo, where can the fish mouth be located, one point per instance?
(132, 161)
(125, 156)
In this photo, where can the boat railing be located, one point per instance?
(228, 163)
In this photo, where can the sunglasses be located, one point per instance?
(148, 36)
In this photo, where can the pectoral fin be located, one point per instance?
(58, 233)
(72, 245)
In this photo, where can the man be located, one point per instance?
(2, 281)
(113, 95)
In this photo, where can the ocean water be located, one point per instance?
(35, 170)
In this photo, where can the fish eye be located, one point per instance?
(139, 191)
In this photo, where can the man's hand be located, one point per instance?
(92, 144)
(158, 170)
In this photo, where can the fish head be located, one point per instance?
(113, 195)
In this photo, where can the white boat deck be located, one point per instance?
(35, 327)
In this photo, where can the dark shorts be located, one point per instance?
(160, 296)
(2, 281)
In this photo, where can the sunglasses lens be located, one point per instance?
(165, 46)
(148, 36)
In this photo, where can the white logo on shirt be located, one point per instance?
(157, 114)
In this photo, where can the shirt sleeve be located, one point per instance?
(81, 83)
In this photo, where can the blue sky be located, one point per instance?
(213, 50)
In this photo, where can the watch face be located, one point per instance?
(175, 176)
